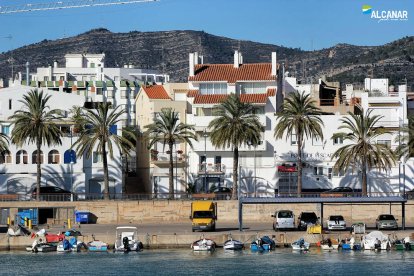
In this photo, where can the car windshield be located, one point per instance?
(285, 214)
(203, 214)
(309, 217)
(386, 217)
(336, 218)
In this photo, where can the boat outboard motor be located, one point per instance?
(125, 242)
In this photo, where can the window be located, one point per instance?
(97, 157)
(217, 160)
(384, 142)
(293, 139)
(329, 173)
(34, 157)
(10, 104)
(21, 157)
(5, 130)
(251, 88)
(45, 78)
(99, 91)
(338, 141)
(124, 94)
(213, 88)
(318, 170)
(5, 158)
(53, 157)
(92, 65)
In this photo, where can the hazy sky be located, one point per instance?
(303, 24)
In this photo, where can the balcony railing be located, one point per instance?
(165, 157)
(211, 168)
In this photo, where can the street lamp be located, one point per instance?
(251, 143)
(205, 160)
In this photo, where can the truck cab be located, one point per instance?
(203, 215)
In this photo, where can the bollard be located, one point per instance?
(69, 224)
(30, 224)
(25, 222)
(8, 221)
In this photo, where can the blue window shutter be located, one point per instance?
(69, 157)
(113, 129)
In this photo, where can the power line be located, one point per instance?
(66, 5)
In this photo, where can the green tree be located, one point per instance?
(36, 123)
(167, 129)
(235, 125)
(301, 117)
(405, 140)
(99, 134)
(362, 152)
(4, 143)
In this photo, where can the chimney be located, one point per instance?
(274, 64)
(55, 64)
(236, 59)
(195, 58)
(191, 58)
(202, 59)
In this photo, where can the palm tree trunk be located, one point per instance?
(171, 172)
(39, 170)
(364, 178)
(234, 194)
(299, 165)
(105, 169)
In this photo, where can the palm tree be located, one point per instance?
(77, 118)
(100, 135)
(301, 117)
(235, 125)
(4, 143)
(405, 140)
(36, 123)
(167, 130)
(362, 152)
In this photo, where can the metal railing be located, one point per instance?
(183, 195)
(211, 168)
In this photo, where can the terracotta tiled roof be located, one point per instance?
(253, 98)
(227, 72)
(271, 92)
(218, 98)
(156, 92)
(209, 99)
(192, 93)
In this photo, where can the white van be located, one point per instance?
(284, 219)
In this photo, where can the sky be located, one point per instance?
(305, 24)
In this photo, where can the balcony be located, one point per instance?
(164, 158)
(211, 168)
(202, 122)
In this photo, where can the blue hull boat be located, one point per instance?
(263, 244)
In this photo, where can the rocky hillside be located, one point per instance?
(168, 52)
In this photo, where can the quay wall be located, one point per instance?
(150, 211)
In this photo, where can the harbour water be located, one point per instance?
(185, 262)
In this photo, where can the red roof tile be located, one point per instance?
(271, 92)
(156, 92)
(227, 72)
(192, 93)
(218, 98)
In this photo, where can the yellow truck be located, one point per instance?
(203, 215)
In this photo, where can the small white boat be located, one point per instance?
(42, 247)
(233, 245)
(329, 244)
(97, 246)
(300, 244)
(126, 239)
(203, 245)
(376, 240)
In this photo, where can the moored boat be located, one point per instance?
(233, 245)
(376, 240)
(126, 239)
(203, 245)
(263, 244)
(97, 246)
(300, 244)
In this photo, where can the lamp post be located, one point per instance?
(205, 160)
(250, 143)
(176, 173)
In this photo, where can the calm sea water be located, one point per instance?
(186, 262)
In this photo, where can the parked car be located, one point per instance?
(52, 193)
(386, 221)
(306, 218)
(338, 192)
(284, 219)
(336, 222)
(222, 192)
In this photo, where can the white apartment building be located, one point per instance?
(18, 169)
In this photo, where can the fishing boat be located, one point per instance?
(203, 245)
(376, 240)
(300, 244)
(126, 239)
(404, 244)
(64, 246)
(263, 244)
(329, 244)
(233, 245)
(97, 246)
(40, 246)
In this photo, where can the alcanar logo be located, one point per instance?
(366, 9)
(385, 15)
